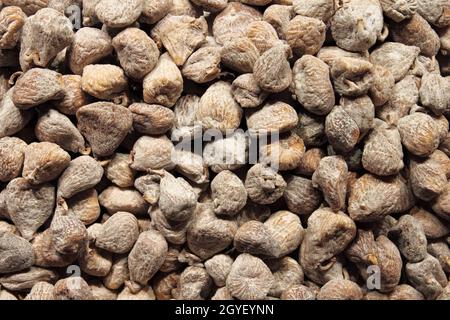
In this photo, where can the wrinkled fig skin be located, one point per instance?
(224, 150)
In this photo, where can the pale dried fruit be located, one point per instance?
(35, 87)
(44, 161)
(180, 35)
(273, 117)
(433, 227)
(137, 52)
(434, 93)
(44, 35)
(203, 65)
(116, 199)
(29, 206)
(26, 279)
(312, 86)
(12, 20)
(287, 272)
(286, 153)
(82, 174)
(103, 81)
(218, 268)
(164, 84)
(399, 10)
(300, 195)
(89, 46)
(331, 178)
(441, 205)
(147, 256)
(105, 125)
(119, 172)
(228, 193)
(249, 278)
(152, 153)
(298, 292)
(427, 177)
(340, 289)
(72, 288)
(194, 284)
(263, 35)
(352, 76)
(16, 253)
(217, 108)
(119, 233)
(419, 133)
(279, 16)
(11, 157)
(305, 35)
(272, 70)
(382, 85)
(264, 185)
(118, 13)
(41, 291)
(12, 119)
(240, 55)
(427, 276)
(357, 24)
(319, 9)
(151, 119)
(153, 11)
(372, 198)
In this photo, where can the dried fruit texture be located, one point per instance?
(152, 153)
(434, 93)
(192, 166)
(427, 177)
(44, 35)
(137, 52)
(146, 293)
(118, 274)
(153, 11)
(279, 16)
(410, 238)
(441, 204)
(16, 253)
(383, 153)
(340, 289)
(298, 292)
(262, 35)
(441, 251)
(218, 268)
(12, 119)
(417, 32)
(119, 172)
(89, 46)
(180, 36)
(435, 12)
(207, 234)
(173, 231)
(151, 119)
(29, 206)
(352, 76)
(105, 125)
(44, 161)
(444, 35)
(119, 233)
(272, 70)
(247, 92)
(228, 194)
(357, 24)
(249, 278)
(287, 273)
(118, 13)
(264, 185)
(73, 95)
(433, 227)
(177, 199)
(396, 57)
(372, 198)
(26, 279)
(46, 254)
(186, 125)
(116, 199)
(383, 253)
(41, 291)
(73, 288)
(399, 10)
(85, 206)
(311, 129)
(103, 81)
(312, 86)
(11, 157)
(329, 54)
(331, 178)
(274, 116)
(300, 195)
(405, 95)
(184, 7)
(36, 87)
(327, 235)
(227, 153)
(382, 86)
(164, 84)
(319, 9)
(57, 128)
(194, 284)
(286, 152)
(423, 65)
(82, 174)
(240, 55)
(427, 276)
(203, 65)
(147, 256)
(217, 108)
(30, 7)
(233, 21)
(12, 20)
(68, 232)
(305, 35)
